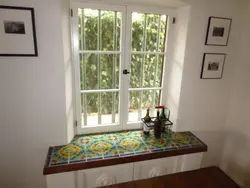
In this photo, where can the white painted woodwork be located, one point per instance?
(104, 176)
(154, 168)
(61, 180)
(190, 161)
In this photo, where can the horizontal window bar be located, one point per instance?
(99, 52)
(145, 52)
(100, 90)
(145, 89)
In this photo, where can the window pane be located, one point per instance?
(148, 32)
(100, 108)
(139, 101)
(138, 21)
(109, 107)
(146, 70)
(99, 71)
(89, 108)
(99, 29)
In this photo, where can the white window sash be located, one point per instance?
(125, 58)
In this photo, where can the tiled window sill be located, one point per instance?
(97, 150)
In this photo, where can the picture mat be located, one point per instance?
(213, 58)
(16, 43)
(218, 22)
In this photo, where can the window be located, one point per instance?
(107, 41)
(147, 59)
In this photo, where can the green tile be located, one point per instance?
(99, 147)
(112, 153)
(84, 141)
(112, 138)
(130, 144)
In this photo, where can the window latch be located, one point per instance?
(125, 71)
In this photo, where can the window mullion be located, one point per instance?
(114, 64)
(157, 57)
(98, 66)
(126, 58)
(83, 45)
(142, 67)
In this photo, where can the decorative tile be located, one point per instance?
(84, 141)
(117, 144)
(99, 147)
(142, 149)
(112, 138)
(130, 144)
(112, 153)
(124, 133)
(56, 159)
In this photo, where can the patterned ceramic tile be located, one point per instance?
(109, 145)
(56, 159)
(99, 147)
(113, 152)
(130, 144)
(112, 138)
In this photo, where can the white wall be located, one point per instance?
(175, 62)
(32, 101)
(33, 110)
(68, 68)
(203, 103)
(236, 155)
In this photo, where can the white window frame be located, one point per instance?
(125, 55)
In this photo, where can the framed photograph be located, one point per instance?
(212, 66)
(17, 31)
(218, 31)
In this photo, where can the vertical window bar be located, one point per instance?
(83, 74)
(142, 66)
(157, 57)
(114, 64)
(163, 59)
(99, 67)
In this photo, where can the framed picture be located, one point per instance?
(212, 66)
(218, 31)
(17, 31)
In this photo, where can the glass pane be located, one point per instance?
(134, 97)
(100, 108)
(135, 72)
(138, 21)
(163, 33)
(99, 71)
(146, 70)
(139, 101)
(153, 68)
(110, 65)
(148, 32)
(89, 109)
(109, 107)
(99, 29)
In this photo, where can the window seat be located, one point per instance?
(99, 150)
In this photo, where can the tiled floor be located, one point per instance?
(109, 145)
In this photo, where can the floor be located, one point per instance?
(211, 177)
(85, 148)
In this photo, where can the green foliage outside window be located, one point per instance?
(100, 30)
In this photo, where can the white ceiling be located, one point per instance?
(158, 3)
(167, 3)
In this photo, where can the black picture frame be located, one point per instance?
(203, 65)
(208, 29)
(32, 13)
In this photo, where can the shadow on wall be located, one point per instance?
(236, 157)
(215, 141)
